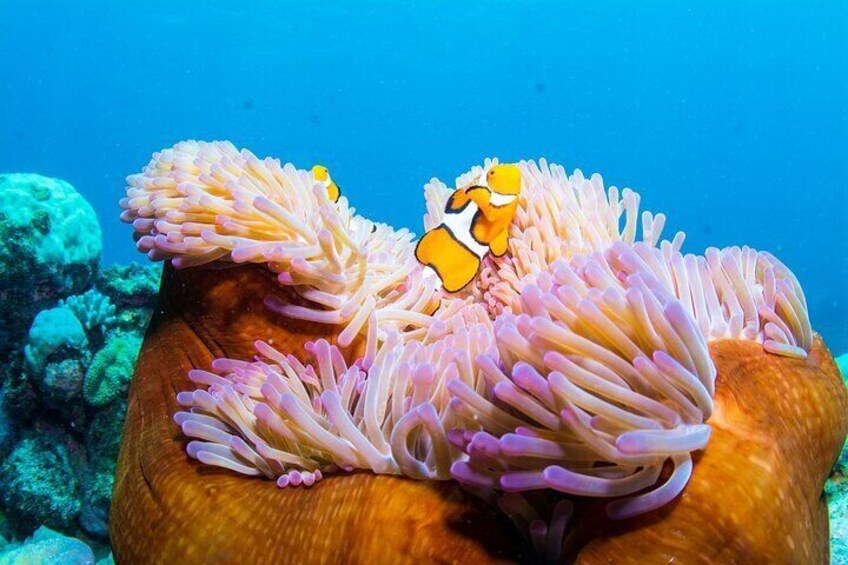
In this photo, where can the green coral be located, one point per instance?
(51, 330)
(111, 369)
(37, 485)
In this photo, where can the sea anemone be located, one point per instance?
(732, 293)
(558, 216)
(778, 424)
(596, 373)
(601, 383)
(201, 202)
(579, 361)
(608, 368)
(389, 412)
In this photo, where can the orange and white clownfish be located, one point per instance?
(476, 222)
(321, 174)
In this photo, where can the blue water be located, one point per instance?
(730, 118)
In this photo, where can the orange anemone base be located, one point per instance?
(755, 495)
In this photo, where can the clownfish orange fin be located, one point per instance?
(463, 273)
(434, 307)
(498, 246)
(457, 201)
(480, 195)
(454, 263)
(333, 192)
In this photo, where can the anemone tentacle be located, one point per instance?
(578, 361)
(200, 202)
(388, 412)
(607, 381)
(558, 216)
(732, 293)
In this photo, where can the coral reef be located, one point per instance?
(7, 426)
(102, 443)
(63, 386)
(48, 547)
(130, 285)
(94, 310)
(132, 289)
(111, 368)
(837, 493)
(65, 481)
(50, 245)
(579, 360)
(52, 330)
(39, 484)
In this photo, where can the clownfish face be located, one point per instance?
(504, 179)
(321, 174)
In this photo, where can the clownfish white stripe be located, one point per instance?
(458, 224)
(498, 199)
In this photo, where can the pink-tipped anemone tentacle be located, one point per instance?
(200, 202)
(601, 382)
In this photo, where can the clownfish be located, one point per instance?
(476, 222)
(321, 174)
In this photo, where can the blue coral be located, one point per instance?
(93, 309)
(47, 547)
(51, 330)
(50, 245)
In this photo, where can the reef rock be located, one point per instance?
(38, 485)
(837, 494)
(50, 245)
(53, 330)
(7, 431)
(131, 285)
(56, 357)
(102, 443)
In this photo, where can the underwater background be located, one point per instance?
(730, 118)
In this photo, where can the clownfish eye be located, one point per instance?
(491, 173)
